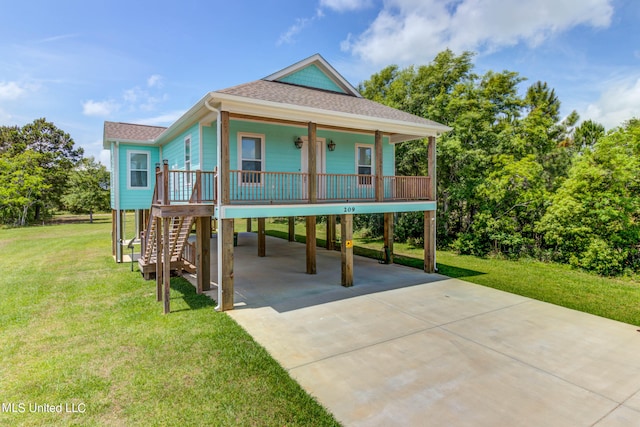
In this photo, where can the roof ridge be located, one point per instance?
(136, 124)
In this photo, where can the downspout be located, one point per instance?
(116, 183)
(200, 148)
(435, 197)
(218, 201)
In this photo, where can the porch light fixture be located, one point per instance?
(331, 145)
(298, 142)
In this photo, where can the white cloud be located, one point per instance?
(345, 5)
(11, 90)
(5, 118)
(619, 101)
(145, 99)
(295, 29)
(409, 31)
(99, 108)
(132, 95)
(288, 37)
(105, 158)
(161, 120)
(155, 80)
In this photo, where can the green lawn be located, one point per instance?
(77, 329)
(80, 330)
(614, 298)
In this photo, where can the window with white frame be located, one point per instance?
(251, 158)
(187, 158)
(138, 164)
(364, 163)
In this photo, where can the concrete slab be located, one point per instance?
(434, 378)
(598, 354)
(405, 348)
(634, 402)
(328, 329)
(620, 417)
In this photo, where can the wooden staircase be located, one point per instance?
(179, 231)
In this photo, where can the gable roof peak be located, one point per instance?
(322, 64)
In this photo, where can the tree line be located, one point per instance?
(42, 171)
(514, 178)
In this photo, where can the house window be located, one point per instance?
(364, 163)
(187, 158)
(251, 158)
(138, 169)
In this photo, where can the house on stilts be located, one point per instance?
(301, 142)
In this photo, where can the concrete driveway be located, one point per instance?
(403, 348)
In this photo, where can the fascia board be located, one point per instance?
(107, 142)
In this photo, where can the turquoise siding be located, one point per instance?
(312, 76)
(281, 155)
(210, 147)
(135, 198)
(173, 151)
(112, 177)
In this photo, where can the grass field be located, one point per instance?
(79, 330)
(614, 298)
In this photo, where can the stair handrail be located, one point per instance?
(196, 191)
(144, 235)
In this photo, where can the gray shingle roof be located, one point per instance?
(332, 101)
(131, 132)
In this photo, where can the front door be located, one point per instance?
(321, 166)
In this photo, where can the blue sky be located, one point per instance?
(79, 63)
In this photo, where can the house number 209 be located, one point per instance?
(349, 209)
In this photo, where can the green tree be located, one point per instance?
(22, 184)
(57, 156)
(513, 198)
(501, 140)
(586, 135)
(593, 221)
(88, 188)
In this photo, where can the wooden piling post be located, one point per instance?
(203, 254)
(292, 229)
(346, 249)
(430, 216)
(379, 180)
(226, 234)
(331, 232)
(262, 244)
(159, 252)
(311, 244)
(312, 163)
(429, 241)
(166, 266)
(114, 232)
(388, 234)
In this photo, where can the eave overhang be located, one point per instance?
(399, 131)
